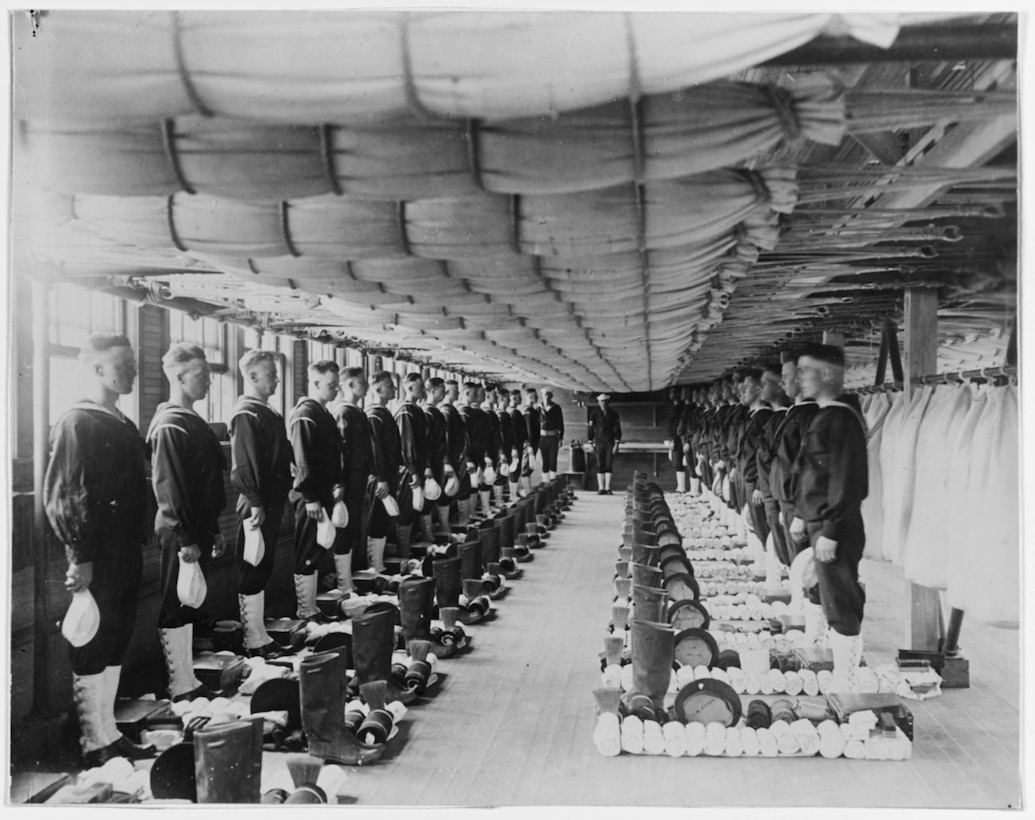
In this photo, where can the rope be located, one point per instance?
(400, 214)
(327, 153)
(171, 220)
(409, 83)
(183, 71)
(473, 155)
(171, 154)
(285, 230)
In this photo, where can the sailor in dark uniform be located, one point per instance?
(783, 481)
(261, 473)
(494, 448)
(187, 470)
(748, 440)
(416, 450)
(520, 445)
(500, 402)
(359, 468)
(479, 442)
(535, 419)
(605, 432)
(318, 485)
(391, 474)
(438, 460)
(675, 436)
(95, 493)
(457, 444)
(832, 483)
(772, 394)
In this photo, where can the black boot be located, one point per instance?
(416, 596)
(228, 762)
(322, 695)
(373, 640)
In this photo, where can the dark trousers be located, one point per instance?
(172, 614)
(307, 549)
(678, 456)
(786, 517)
(253, 580)
(780, 536)
(840, 594)
(359, 490)
(605, 457)
(549, 445)
(116, 589)
(756, 513)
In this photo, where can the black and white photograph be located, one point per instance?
(602, 409)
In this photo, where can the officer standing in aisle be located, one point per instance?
(832, 483)
(605, 432)
(261, 473)
(535, 417)
(95, 492)
(187, 467)
(318, 477)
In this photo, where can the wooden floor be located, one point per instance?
(512, 723)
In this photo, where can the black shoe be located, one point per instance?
(200, 692)
(609, 492)
(268, 651)
(134, 751)
(601, 492)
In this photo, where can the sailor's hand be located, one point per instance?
(79, 576)
(218, 545)
(314, 509)
(826, 549)
(190, 553)
(757, 498)
(339, 492)
(798, 531)
(382, 489)
(258, 517)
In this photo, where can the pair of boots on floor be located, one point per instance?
(99, 733)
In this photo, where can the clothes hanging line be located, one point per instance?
(979, 375)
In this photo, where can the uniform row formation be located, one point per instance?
(679, 677)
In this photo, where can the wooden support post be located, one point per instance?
(926, 626)
(41, 705)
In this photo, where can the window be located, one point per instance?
(75, 313)
(208, 334)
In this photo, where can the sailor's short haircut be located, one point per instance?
(253, 358)
(350, 373)
(828, 354)
(180, 354)
(323, 367)
(100, 342)
(435, 382)
(380, 377)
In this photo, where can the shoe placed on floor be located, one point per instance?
(198, 692)
(134, 751)
(601, 492)
(268, 651)
(123, 747)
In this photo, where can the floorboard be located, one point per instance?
(514, 724)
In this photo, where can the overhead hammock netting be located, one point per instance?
(569, 198)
